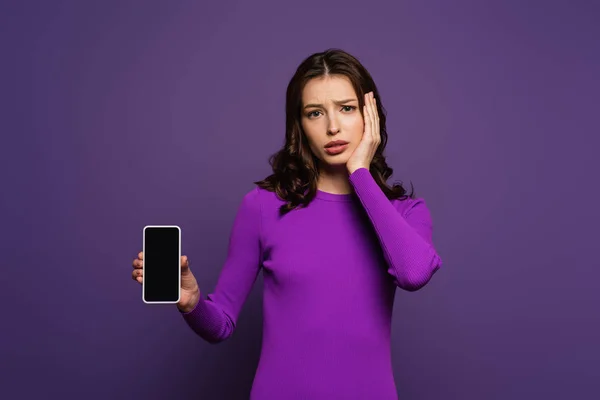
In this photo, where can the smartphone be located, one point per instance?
(161, 283)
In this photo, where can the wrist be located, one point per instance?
(191, 303)
(353, 168)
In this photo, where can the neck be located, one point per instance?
(334, 180)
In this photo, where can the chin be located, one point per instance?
(339, 160)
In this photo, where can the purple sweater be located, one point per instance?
(330, 274)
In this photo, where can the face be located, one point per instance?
(331, 119)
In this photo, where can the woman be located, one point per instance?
(333, 241)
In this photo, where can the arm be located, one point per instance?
(215, 317)
(406, 240)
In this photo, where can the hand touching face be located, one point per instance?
(331, 119)
(365, 151)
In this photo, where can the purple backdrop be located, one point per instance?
(120, 114)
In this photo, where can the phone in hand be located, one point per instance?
(161, 282)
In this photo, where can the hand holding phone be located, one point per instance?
(163, 272)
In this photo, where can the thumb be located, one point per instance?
(185, 263)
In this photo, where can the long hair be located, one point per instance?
(295, 167)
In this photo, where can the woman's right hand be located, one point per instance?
(190, 293)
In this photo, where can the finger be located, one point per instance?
(139, 279)
(373, 112)
(368, 125)
(138, 273)
(185, 262)
(141, 255)
(368, 106)
(374, 105)
(138, 264)
(369, 103)
(367, 116)
(376, 119)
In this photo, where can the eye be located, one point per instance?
(312, 114)
(348, 108)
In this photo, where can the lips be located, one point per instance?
(335, 143)
(336, 147)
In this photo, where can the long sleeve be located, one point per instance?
(405, 238)
(214, 318)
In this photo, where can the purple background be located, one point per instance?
(120, 114)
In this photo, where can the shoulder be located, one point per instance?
(412, 207)
(259, 208)
(259, 199)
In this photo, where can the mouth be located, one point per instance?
(335, 143)
(336, 147)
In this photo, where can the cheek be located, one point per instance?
(312, 137)
(355, 127)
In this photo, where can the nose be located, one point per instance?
(333, 128)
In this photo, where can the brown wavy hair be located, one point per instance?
(295, 167)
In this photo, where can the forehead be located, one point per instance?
(327, 88)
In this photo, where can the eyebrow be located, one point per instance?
(338, 102)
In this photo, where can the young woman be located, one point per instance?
(333, 241)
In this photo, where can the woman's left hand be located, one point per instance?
(364, 152)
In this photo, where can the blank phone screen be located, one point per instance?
(162, 258)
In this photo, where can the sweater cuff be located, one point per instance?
(359, 175)
(198, 310)
(362, 181)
